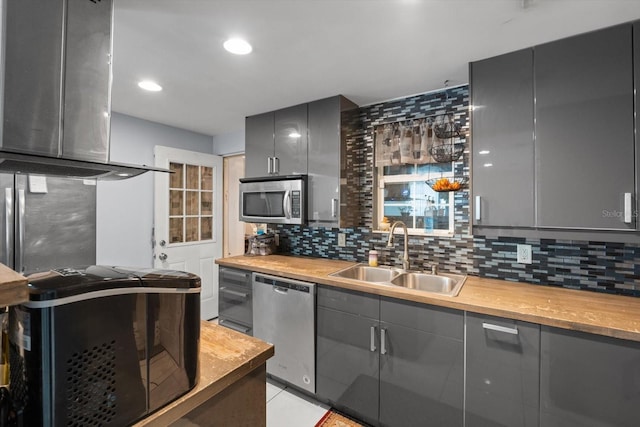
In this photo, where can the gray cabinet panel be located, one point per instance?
(32, 111)
(502, 384)
(7, 217)
(347, 371)
(291, 150)
(235, 299)
(436, 320)
(324, 160)
(588, 380)
(258, 144)
(502, 125)
(584, 130)
(87, 80)
(353, 302)
(421, 378)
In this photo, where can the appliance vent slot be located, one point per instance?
(91, 386)
(17, 377)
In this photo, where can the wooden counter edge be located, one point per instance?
(13, 287)
(206, 390)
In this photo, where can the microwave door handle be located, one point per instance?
(286, 204)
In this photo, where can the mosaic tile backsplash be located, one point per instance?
(596, 266)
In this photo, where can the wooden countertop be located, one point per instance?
(13, 287)
(225, 357)
(611, 315)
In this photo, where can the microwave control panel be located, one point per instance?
(295, 204)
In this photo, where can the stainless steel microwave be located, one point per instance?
(274, 199)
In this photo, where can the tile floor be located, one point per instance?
(287, 407)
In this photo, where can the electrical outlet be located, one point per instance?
(342, 239)
(524, 254)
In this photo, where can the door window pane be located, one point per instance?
(193, 177)
(176, 178)
(206, 228)
(176, 230)
(206, 203)
(207, 178)
(192, 203)
(175, 202)
(192, 230)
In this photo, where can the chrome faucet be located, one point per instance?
(405, 257)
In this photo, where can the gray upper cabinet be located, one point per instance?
(588, 380)
(290, 141)
(503, 365)
(67, 114)
(258, 145)
(276, 142)
(328, 127)
(503, 154)
(585, 131)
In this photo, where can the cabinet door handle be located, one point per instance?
(476, 209)
(383, 341)
(8, 226)
(234, 293)
(334, 208)
(373, 339)
(231, 325)
(627, 208)
(276, 165)
(498, 328)
(268, 165)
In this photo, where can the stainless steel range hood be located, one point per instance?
(32, 164)
(56, 60)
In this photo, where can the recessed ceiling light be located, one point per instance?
(150, 86)
(484, 152)
(488, 165)
(237, 46)
(294, 135)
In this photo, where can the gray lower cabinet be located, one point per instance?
(389, 362)
(588, 380)
(421, 365)
(503, 364)
(503, 153)
(235, 302)
(347, 357)
(585, 130)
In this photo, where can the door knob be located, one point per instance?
(163, 243)
(162, 256)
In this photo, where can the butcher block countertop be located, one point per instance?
(226, 357)
(13, 287)
(610, 315)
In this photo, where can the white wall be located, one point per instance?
(229, 143)
(125, 208)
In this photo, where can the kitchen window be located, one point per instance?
(403, 195)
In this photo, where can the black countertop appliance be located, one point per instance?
(103, 346)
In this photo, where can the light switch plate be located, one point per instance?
(342, 239)
(524, 254)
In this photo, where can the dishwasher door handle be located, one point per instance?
(280, 290)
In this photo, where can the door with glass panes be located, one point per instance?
(188, 218)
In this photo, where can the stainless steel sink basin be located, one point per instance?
(444, 284)
(366, 273)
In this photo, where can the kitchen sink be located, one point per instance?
(442, 284)
(366, 273)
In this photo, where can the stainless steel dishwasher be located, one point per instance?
(284, 315)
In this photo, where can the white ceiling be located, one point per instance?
(367, 50)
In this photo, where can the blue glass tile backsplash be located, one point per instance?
(597, 266)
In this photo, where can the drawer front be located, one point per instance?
(349, 301)
(235, 302)
(435, 320)
(233, 277)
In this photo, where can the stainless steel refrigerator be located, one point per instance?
(47, 222)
